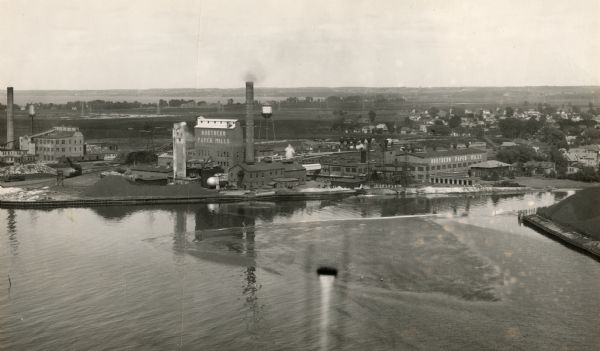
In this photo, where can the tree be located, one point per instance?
(560, 161)
(509, 111)
(433, 111)
(531, 126)
(554, 137)
(439, 129)
(458, 111)
(519, 153)
(240, 178)
(372, 116)
(510, 127)
(454, 121)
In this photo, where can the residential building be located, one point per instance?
(544, 168)
(586, 155)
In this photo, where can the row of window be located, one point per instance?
(347, 169)
(58, 149)
(60, 141)
(264, 173)
(440, 167)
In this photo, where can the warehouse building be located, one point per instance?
(257, 175)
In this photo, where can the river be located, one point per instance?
(444, 272)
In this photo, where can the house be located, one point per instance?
(586, 155)
(508, 144)
(165, 159)
(381, 127)
(481, 145)
(534, 168)
(423, 127)
(367, 129)
(406, 130)
(573, 165)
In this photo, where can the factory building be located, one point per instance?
(421, 167)
(258, 175)
(219, 140)
(59, 142)
(15, 157)
(224, 143)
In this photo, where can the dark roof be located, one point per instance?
(260, 166)
(293, 167)
(285, 179)
(490, 164)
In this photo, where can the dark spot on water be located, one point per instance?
(324, 270)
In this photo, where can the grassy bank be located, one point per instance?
(541, 183)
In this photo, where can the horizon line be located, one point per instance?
(328, 87)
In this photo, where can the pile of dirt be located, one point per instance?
(580, 212)
(30, 168)
(118, 186)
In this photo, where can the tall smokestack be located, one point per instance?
(249, 122)
(10, 132)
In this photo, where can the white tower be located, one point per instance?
(179, 157)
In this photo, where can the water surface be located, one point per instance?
(441, 272)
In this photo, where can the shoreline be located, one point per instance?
(40, 201)
(572, 238)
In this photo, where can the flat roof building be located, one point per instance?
(59, 143)
(421, 166)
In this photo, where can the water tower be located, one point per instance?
(32, 115)
(266, 126)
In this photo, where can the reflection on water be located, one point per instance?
(11, 229)
(242, 276)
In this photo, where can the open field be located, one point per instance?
(577, 95)
(539, 183)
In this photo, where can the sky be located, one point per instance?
(142, 44)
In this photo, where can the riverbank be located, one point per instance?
(436, 190)
(578, 240)
(544, 183)
(90, 190)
